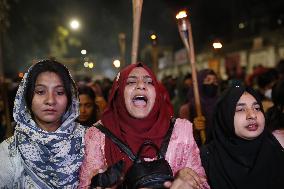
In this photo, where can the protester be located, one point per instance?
(47, 147)
(242, 154)
(184, 85)
(265, 82)
(106, 87)
(275, 115)
(208, 91)
(100, 100)
(139, 110)
(89, 111)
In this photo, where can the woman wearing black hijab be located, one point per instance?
(242, 154)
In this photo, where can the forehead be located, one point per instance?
(139, 71)
(247, 98)
(85, 97)
(49, 78)
(210, 77)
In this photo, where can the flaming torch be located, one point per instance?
(185, 32)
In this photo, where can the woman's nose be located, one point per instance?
(50, 99)
(82, 109)
(251, 114)
(140, 84)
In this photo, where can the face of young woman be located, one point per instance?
(139, 93)
(249, 120)
(49, 102)
(86, 107)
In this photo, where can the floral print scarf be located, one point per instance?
(51, 159)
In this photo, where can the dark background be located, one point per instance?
(31, 25)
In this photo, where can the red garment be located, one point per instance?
(131, 130)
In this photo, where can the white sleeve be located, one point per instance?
(7, 167)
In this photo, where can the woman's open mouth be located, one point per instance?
(140, 100)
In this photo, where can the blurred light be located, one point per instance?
(74, 24)
(83, 51)
(279, 21)
(241, 25)
(116, 63)
(181, 14)
(217, 45)
(62, 31)
(21, 74)
(86, 59)
(91, 65)
(153, 37)
(86, 64)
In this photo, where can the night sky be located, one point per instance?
(33, 25)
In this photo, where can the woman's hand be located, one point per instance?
(186, 179)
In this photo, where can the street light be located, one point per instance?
(217, 45)
(116, 63)
(242, 25)
(83, 51)
(91, 65)
(153, 37)
(74, 24)
(86, 64)
(154, 52)
(215, 63)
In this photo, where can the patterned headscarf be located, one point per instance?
(51, 159)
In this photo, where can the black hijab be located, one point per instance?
(234, 163)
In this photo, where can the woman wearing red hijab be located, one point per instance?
(139, 110)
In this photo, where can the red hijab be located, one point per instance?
(131, 130)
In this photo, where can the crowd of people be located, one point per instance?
(82, 134)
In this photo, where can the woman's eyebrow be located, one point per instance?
(42, 85)
(244, 104)
(241, 104)
(255, 103)
(59, 86)
(147, 76)
(132, 76)
(39, 85)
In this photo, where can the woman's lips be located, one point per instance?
(252, 127)
(49, 111)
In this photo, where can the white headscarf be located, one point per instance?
(52, 159)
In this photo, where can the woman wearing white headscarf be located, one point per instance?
(47, 147)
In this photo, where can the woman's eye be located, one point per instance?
(89, 105)
(60, 93)
(130, 82)
(149, 81)
(240, 109)
(39, 92)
